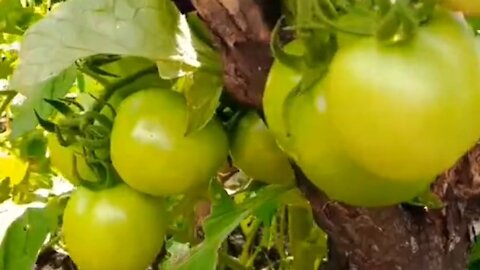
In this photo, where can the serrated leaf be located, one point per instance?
(23, 231)
(202, 90)
(77, 29)
(54, 88)
(221, 223)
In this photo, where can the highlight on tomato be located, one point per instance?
(152, 153)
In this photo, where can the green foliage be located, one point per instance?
(78, 29)
(26, 234)
(224, 218)
(52, 88)
(14, 18)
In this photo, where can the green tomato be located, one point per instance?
(150, 150)
(280, 82)
(62, 160)
(254, 151)
(407, 111)
(113, 229)
(315, 146)
(322, 158)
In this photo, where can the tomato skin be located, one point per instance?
(320, 155)
(408, 111)
(62, 159)
(150, 151)
(254, 151)
(469, 7)
(113, 229)
(280, 81)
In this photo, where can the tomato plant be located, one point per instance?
(371, 100)
(391, 117)
(254, 150)
(152, 153)
(116, 228)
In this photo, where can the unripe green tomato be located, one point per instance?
(254, 151)
(410, 110)
(321, 156)
(113, 229)
(315, 146)
(149, 148)
(280, 82)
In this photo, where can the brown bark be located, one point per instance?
(398, 237)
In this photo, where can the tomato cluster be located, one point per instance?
(376, 130)
(386, 119)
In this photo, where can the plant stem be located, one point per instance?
(110, 89)
(249, 240)
(9, 95)
(231, 262)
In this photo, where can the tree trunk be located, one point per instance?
(398, 237)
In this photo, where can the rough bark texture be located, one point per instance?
(399, 237)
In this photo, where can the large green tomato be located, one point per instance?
(408, 111)
(315, 146)
(320, 155)
(62, 159)
(254, 151)
(469, 7)
(150, 150)
(113, 229)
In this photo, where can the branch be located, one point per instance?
(243, 36)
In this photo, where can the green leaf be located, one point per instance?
(202, 91)
(224, 219)
(54, 88)
(14, 18)
(77, 29)
(475, 252)
(28, 228)
(7, 58)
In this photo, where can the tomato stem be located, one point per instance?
(110, 89)
(250, 236)
(9, 96)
